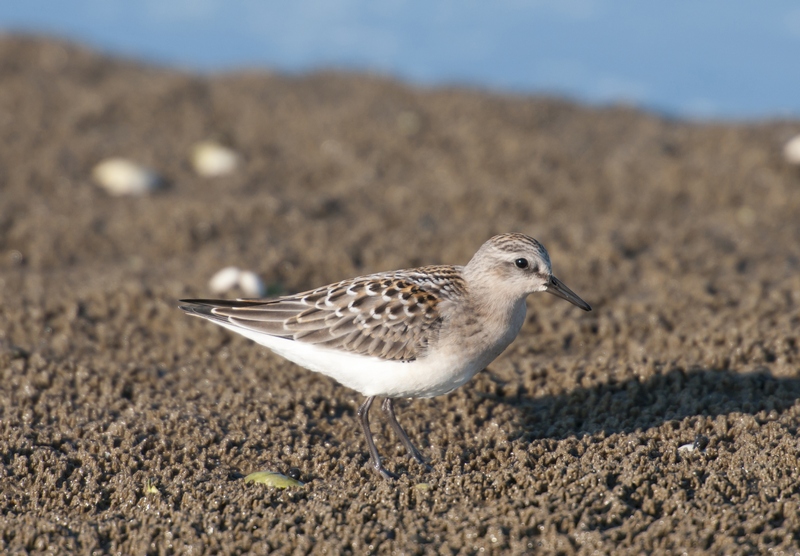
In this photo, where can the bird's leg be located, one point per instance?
(388, 407)
(363, 414)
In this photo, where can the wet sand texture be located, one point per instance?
(663, 421)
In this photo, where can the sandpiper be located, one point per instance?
(414, 333)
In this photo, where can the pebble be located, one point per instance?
(272, 479)
(791, 150)
(231, 277)
(251, 284)
(211, 159)
(120, 176)
(224, 280)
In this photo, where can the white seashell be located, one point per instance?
(120, 176)
(224, 280)
(211, 159)
(687, 448)
(251, 284)
(791, 150)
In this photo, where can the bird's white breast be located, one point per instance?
(440, 372)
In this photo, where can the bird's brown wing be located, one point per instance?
(394, 316)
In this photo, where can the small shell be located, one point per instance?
(150, 487)
(224, 280)
(211, 159)
(271, 478)
(251, 284)
(687, 448)
(120, 176)
(791, 150)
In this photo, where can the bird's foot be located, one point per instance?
(385, 473)
(427, 467)
(416, 456)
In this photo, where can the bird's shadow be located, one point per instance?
(631, 405)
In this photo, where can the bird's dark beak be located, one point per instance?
(557, 288)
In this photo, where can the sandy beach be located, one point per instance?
(664, 421)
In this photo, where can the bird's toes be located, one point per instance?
(386, 474)
(424, 464)
(416, 456)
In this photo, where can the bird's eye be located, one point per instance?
(521, 263)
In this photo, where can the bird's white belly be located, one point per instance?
(434, 375)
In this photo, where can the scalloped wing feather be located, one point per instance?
(393, 316)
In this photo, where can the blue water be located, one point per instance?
(708, 59)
